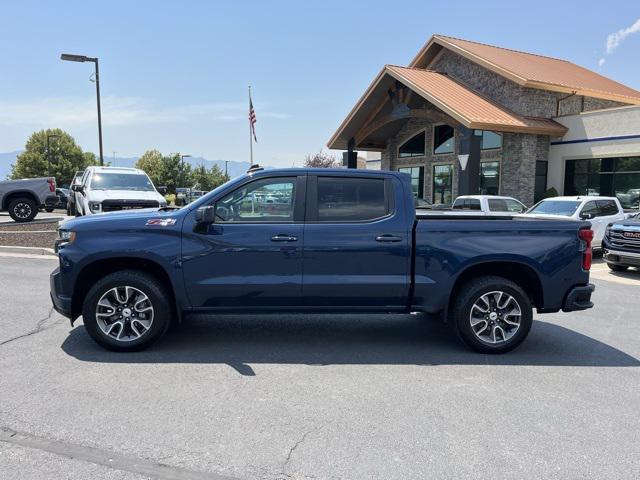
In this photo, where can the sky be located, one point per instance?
(174, 75)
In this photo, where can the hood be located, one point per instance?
(128, 218)
(629, 222)
(100, 195)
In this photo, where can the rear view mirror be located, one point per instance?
(587, 216)
(77, 188)
(206, 215)
(162, 190)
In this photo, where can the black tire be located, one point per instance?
(617, 268)
(23, 209)
(71, 209)
(149, 286)
(470, 293)
(48, 210)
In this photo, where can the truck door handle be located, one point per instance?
(284, 237)
(388, 238)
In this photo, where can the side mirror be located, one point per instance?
(206, 215)
(162, 190)
(77, 188)
(587, 216)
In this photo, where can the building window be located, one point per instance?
(490, 140)
(610, 177)
(417, 180)
(541, 180)
(489, 178)
(414, 147)
(442, 183)
(442, 139)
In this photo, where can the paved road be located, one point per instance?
(59, 214)
(332, 397)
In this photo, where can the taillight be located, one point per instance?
(52, 184)
(586, 235)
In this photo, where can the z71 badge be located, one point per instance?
(161, 222)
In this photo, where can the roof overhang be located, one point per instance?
(457, 103)
(434, 45)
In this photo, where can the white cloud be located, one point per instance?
(118, 111)
(601, 62)
(616, 38)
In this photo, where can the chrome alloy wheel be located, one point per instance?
(22, 210)
(495, 317)
(124, 313)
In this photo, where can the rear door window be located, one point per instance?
(607, 208)
(467, 204)
(343, 199)
(590, 207)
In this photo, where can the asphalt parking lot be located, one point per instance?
(306, 397)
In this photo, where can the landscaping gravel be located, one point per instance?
(29, 234)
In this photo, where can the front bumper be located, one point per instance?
(618, 257)
(61, 303)
(579, 298)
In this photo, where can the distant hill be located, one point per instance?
(235, 168)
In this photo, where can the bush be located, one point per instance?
(170, 198)
(552, 192)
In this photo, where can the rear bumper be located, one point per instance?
(61, 303)
(618, 257)
(579, 298)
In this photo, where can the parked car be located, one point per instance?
(108, 189)
(71, 199)
(63, 197)
(23, 198)
(600, 211)
(622, 244)
(488, 205)
(349, 242)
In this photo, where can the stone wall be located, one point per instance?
(517, 176)
(522, 100)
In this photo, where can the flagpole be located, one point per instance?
(250, 132)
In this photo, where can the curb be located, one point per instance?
(27, 250)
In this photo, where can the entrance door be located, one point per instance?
(251, 257)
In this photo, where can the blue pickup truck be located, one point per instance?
(317, 240)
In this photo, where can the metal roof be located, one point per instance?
(530, 70)
(461, 103)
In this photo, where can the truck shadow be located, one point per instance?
(346, 340)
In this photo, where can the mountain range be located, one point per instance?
(235, 168)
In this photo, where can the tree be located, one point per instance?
(321, 160)
(208, 179)
(66, 157)
(172, 174)
(151, 162)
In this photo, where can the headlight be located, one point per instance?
(67, 236)
(95, 207)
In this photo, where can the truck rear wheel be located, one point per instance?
(492, 314)
(127, 311)
(23, 209)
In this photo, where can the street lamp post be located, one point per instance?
(81, 58)
(49, 135)
(182, 180)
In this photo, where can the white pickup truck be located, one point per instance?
(23, 198)
(481, 205)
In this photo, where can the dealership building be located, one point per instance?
(466, 118)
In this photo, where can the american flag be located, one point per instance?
(252, 119)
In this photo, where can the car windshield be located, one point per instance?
(121, 181)
(564, 208)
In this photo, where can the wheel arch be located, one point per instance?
(6, 200)
(519, 273)
(98, 269)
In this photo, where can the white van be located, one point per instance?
(109, 189)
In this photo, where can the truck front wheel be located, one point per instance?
(127, 311)
(492, 314)
(23, 210)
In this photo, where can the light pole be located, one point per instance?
(114, 158)
(81, 58)
(226, 175)
(182, 157)
(50, 135)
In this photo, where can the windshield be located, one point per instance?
(121, 181)
(556, 207)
